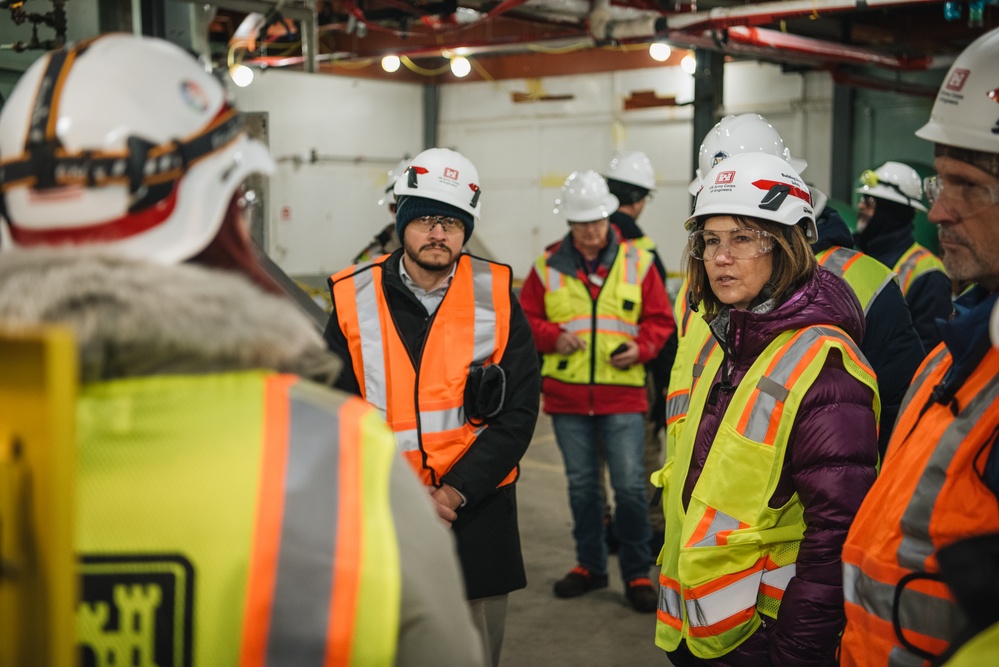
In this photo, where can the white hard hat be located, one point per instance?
(734, 135)
(585, 197)
(966, 113)
(756, 185)
(896, 182)
(633, 167)
(123, 142)
(388, 196)
(443, 175)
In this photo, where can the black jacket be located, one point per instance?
(486, 528)
(929, 295)
(890, 343)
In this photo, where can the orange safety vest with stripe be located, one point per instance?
(234, 519)
(929, 495)
(913, 263)
(728, 557)
(603, 324)
(424, 405)
(865, 275)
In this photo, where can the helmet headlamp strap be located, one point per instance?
(46, 164)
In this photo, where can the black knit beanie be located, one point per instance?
(626, 193)
(411, 207)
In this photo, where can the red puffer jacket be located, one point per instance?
(831, 464)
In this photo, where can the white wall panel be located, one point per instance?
(524, 151)
(321, 214)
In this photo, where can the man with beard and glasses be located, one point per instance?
(939, 483)
(434, 338)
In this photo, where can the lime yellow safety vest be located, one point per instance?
(728, 557)
(602, 324)
(865, 275)
(981, 649)
(234, 519)
(692, 332)
(913, 263)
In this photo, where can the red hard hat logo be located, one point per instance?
(957, 78)
(725, 177)
(451, 173)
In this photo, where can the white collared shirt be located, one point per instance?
(431, 300)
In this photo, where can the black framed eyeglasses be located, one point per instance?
(450, 225)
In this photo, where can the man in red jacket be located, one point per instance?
(598, 312)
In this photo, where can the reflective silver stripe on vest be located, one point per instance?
(304, 581)
(916, 544)
(435, 421)
(836, 259)
(677, 405)
(372, 350)
(919, 612)
(407, 441)
(780, 577)
(725, 602)
(669, 601)
(553, 280)
(630, 264)
(919, 379)
(604, 323)
(719, 522)
(774, 387)
(485, 312)
(702, 358)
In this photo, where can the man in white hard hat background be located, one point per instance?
(599, 311)
(889, 198)
(939, 483)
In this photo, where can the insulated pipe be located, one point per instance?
(770, 12)
(698, 30)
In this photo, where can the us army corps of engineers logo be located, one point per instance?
(136, 611)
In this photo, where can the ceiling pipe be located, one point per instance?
(729, 29)
(771, 12)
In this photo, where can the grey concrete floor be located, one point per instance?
(598, 629)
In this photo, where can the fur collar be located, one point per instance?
(135, 318)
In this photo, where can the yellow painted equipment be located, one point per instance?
(38, 584)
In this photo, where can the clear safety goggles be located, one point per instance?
(427, 222)
(739, 243)
(961, 199)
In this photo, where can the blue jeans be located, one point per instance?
(623, 437)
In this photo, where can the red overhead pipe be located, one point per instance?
(825, 51)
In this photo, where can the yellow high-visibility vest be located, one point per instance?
(602, 324)
(913, 263)
(728, 557)
(236, 518)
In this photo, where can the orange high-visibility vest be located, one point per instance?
(424, 405)
(929, 495)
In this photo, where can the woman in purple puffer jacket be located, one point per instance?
(777, 446)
